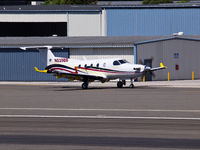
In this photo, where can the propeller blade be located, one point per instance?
(153, 74)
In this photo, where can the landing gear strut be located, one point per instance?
(85, 85)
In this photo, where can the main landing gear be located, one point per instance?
(85, 85)
(120, 84)
(131, 85)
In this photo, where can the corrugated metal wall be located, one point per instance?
(18, 65)
(99, 53)
(184, 53)
(144, 21)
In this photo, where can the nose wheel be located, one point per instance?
(131, 85)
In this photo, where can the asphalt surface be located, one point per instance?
(57, 133)
(65, 117)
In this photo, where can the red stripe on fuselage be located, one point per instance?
(98, 70)
(106, 70)
(62, 70)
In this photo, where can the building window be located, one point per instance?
(176, 55)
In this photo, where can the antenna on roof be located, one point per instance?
(178, 34)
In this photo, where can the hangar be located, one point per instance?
(105, 20)
(179, 53)
(52, 20)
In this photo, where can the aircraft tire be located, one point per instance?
(131, 86)
(84, 85)
(119, 84)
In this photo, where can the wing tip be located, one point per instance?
(36, 69)
(161, 65)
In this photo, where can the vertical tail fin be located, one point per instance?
(45, 53)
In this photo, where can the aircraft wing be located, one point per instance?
(79, 76)
(159, 68)
(75, 75)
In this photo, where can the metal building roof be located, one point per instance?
(87, 42)
(21, 8)
(138, 4)
(67, 8)
(73, 41)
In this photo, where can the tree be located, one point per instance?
(70, 2)
(157, 1)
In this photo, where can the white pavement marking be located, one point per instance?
(109, 110)
(174, 83)
(98, 117)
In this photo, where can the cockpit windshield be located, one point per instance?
(118, 62)
(123, 61)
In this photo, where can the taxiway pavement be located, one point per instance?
(58, 116)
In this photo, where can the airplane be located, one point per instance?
(88, 71)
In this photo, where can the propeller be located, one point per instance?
(147, 70)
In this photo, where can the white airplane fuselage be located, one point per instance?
(104, 68)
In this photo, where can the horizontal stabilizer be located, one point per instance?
(36, 47)
(43, 71)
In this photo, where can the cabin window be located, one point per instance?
(115, 63)
(91, 65)
(98, 65)
(138, 69)
(85, 65)
(79, 66)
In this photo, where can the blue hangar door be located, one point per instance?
(18, 65)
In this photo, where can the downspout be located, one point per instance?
(135, 53)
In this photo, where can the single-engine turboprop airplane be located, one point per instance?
(87, 71)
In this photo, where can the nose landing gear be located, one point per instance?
(123, 82)
(131, 85)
